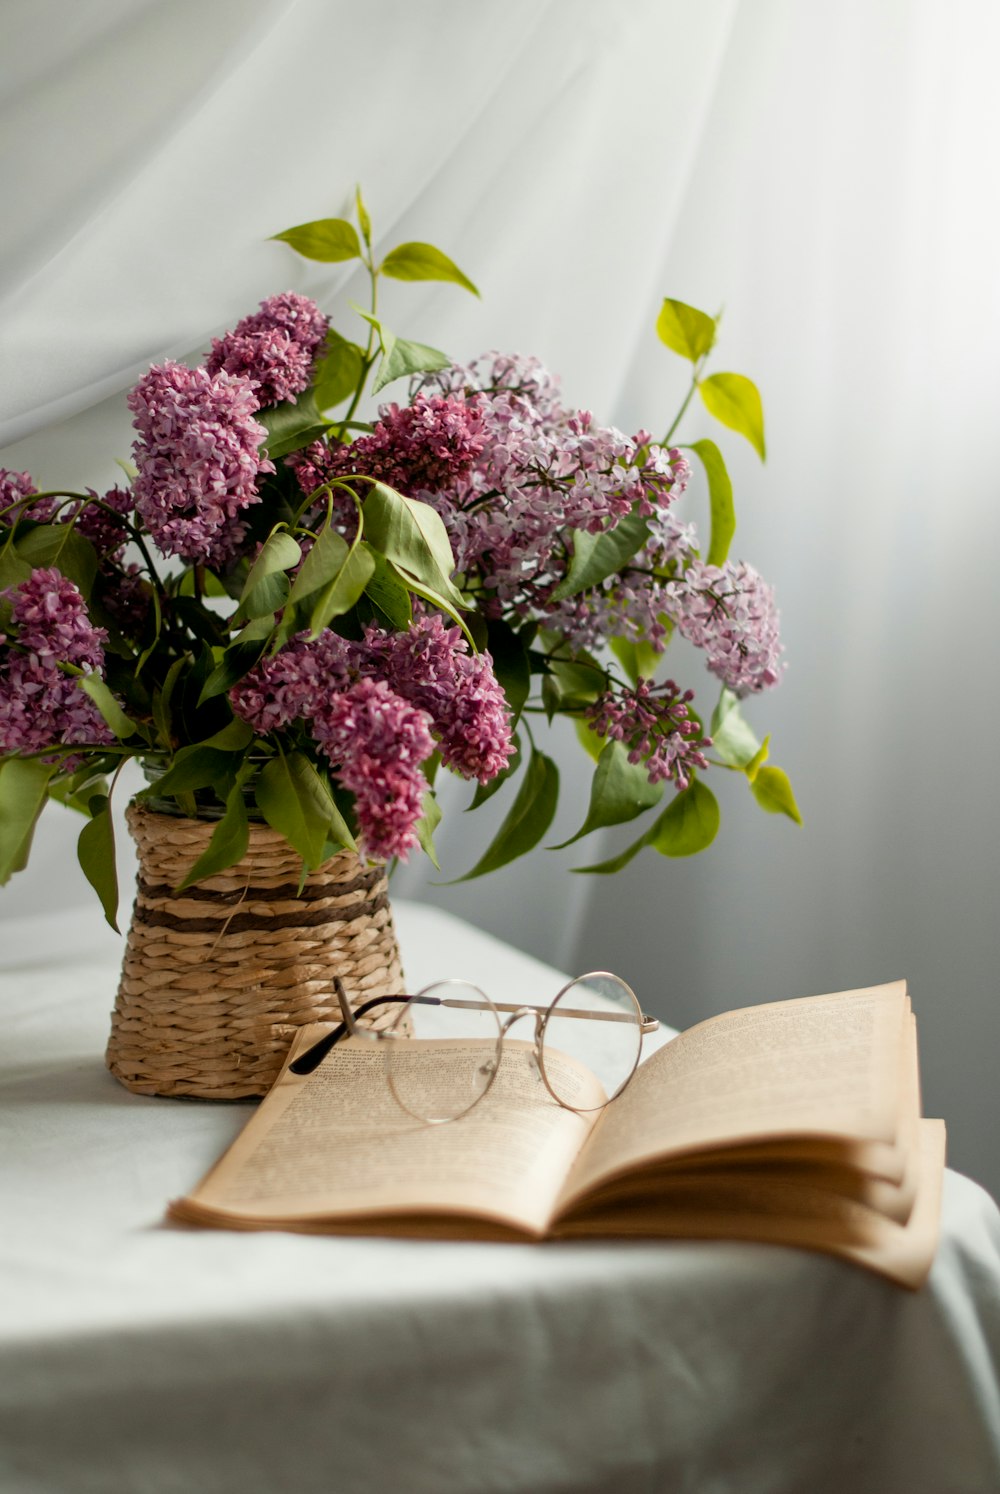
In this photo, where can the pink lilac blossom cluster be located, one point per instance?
(15, 488)
(102, 520)
(421, 447)
(544, 471)
(653, 722)
(41, 705)
(729, 612)
(371, 706)
(198, 459)
(275, 348)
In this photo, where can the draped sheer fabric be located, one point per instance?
(822, 175)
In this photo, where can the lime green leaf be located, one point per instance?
(689, 824)
(339, 373)
(620, 791)
(733, 741)
(758, 760)
(292, 424)
(95, 851)
(734, 400)
(685, 330)
(403, 357)
(773, 792)
(430, 818)
(363, 218)
(417, 261)
(597, 556)
(592, 744)
(122, 725)
(230, 838)
(23, 786)
(720, 499)
(529, 817)
(412, 535)
(327, 239)
(62, 546)
(293, 801)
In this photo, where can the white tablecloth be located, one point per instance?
(138, 1358)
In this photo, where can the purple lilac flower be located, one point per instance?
(198, 459)
(40, 705)
(729, 611)
(430, 666)
(376, 742)
(15, 488)
(126, 597)
(105, 530)
(275, 348)
(653, 723)
(295, 683)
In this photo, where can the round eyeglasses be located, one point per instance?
(594, 1020)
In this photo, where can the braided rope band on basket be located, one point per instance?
(216, 979)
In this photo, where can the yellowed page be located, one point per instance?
(782, 1212)
(823, 1066)
(335, 1145)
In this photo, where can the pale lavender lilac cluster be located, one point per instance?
(198, 458)
(372, 706)
(654, 723)
(40, 704)
(275, 348)
(729, 612)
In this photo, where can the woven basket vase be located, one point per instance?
(216, 979)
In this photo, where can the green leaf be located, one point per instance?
(230, 838)
(510, 665)
(412, 535)
(95, 850)
(388, 593)
(720, 499)
(195, 767)
(404, 357)
(339, 373)
(592, 744)
(23, 786)
(292, 424)
(758, 760)
(735, 401)
(161, 703)
(13, 570)
(733, 740)
(329, 240)
(686, 330)
(61, 546)
(122, 725)
(291, 797)
(430, 818)
(639, 660)
(527, 821)
(597, 556)
(363, 218)
(237, 662)
(416, 261)
(689, 824)
(620, 791)
(773, 792)
(322, 564)
(343, 590)
(279, 552)
(235, 736)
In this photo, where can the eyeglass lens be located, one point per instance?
(442, 1084)
(610, 1049)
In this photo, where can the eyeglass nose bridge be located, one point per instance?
(539, 1021)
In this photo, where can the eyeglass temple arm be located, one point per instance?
(649, 1024)
(309, 1061)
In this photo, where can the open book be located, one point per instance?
(796, 1123)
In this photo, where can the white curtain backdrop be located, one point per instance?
(825, 174)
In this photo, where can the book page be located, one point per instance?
(827, 1066)
(336, 1144)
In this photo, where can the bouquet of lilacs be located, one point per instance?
(290, 613)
